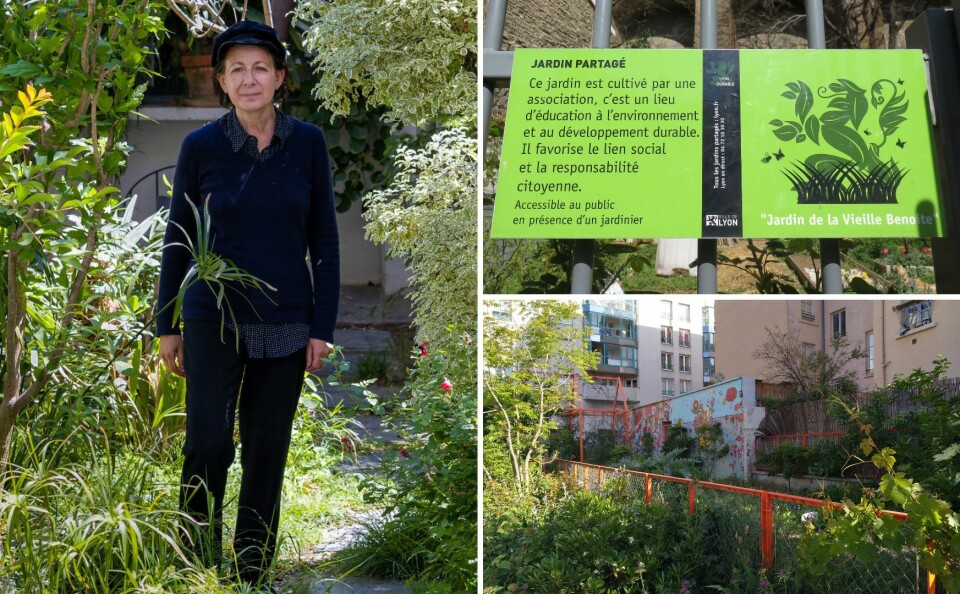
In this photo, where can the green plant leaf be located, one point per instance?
(804, 101)
(812, 128)
(859, 101)
(785, 133)
(848, 142)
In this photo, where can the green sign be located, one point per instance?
(717, 143)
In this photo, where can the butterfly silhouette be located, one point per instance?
(766, 158)
(867, 132)
(900, 81)
(779, 154)
(901, 143)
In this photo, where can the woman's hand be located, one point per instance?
(171, 352)
(317, 351)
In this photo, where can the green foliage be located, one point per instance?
(710, 444)
(543, 266)
(430, 490)
(428, 218)
(531, 362)
(757, 265)
(905, 265)
(790, 460)
(932, 525)
(826, 458)
(647, 444)
(421, 65)
(678, 439)
(597, 446)
(561, 441)
(53, 196)
(609, 542)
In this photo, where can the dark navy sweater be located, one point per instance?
(264, 217)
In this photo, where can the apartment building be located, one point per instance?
(896, 335)
(653, 353)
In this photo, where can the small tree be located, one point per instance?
(56, 179)
(814, 376)
(710, 445)
(532, 361)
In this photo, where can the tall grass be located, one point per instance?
(845, 183)
(107, 525)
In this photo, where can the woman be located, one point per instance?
(267, 176)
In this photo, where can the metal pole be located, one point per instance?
(829, 248)
(492, 38)
(581, 277)
(707, 248)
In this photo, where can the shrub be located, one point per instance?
(789, 459)
(677, 439)
(597, 446)
(647, 444)
(618, 453)
(563, 442)
(826, 459)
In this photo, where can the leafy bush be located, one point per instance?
(608, 542)
(789, 459)
(562, 441)
(647, 444)
(618, 453)
(826, 459)
(429, 492)
(677, 439)
(597, 446)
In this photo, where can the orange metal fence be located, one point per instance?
(776, 518)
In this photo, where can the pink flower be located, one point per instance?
(762, 585)
(423, 349)
(403, 452)
(446, 385)
(886, 251)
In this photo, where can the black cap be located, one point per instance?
(248, 33)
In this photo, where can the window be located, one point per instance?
(839, 323)
(869, 342)
(618, 356)
(914, 314)
(707, 317)
(808, 350)
(806, 310)
(666, 386)
(684, 311)
(709, 368)
(685, 386)
(709, 342)
(614, 326)
(666, 310)
(666, 361)
(630, 383)
(685, 363)
(666, 335)
(684, 337)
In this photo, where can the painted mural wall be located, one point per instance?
(732, 403)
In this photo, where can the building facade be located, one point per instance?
(897, 336)
(648, 354)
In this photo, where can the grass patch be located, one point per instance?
(845, 183)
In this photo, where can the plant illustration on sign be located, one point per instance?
(863, 168)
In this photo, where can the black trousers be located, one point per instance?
(268, 391)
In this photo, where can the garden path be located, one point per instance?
(368, 323)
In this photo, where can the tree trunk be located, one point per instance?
(13, 352)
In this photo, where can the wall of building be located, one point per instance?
(732, 403)
(156, 144)
(742, 329)
(902, 353)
